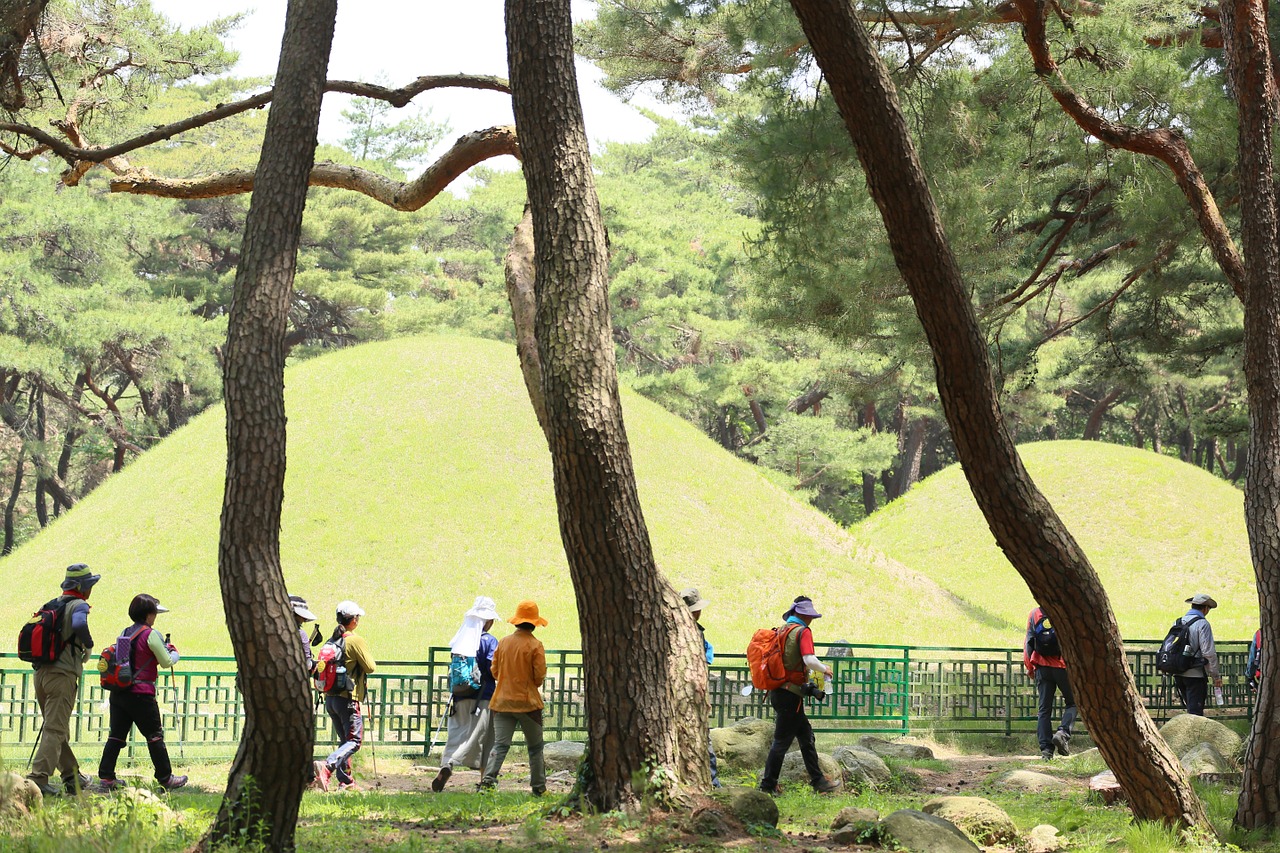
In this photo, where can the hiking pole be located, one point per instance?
(373, 750)
(448, 709)
(36, 746)
(182, 749)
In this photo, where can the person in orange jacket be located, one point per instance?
(1043, 660)
(519, 665)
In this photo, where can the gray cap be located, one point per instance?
(1202, 600)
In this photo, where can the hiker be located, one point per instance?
(1254, 665)
(798, 658)
(1043, 659)
(302, 615)
(696, 603)
(137, 705)
(519, 665)
(1193, 685)
(58, 662)
(343, 702)
(477, 748)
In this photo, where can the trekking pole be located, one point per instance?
(182, 749)
(448, 709)
(373, 750)
(36, 745)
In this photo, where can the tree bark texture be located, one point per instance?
(519, 270)
(1024, 524)
(1248, 51)
(646, 677)
(269, 772)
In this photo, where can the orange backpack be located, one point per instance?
(764, 656)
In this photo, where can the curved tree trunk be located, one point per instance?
(1093, 427)
(1244, 26)
(519, 271)
(267, 778)
(647, 705)
(1023, 522)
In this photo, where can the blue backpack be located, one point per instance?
(464, 677)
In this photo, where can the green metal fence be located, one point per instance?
(877, 688)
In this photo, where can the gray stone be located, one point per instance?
(563, 777)
(1028, 780)
(709, 822)
(563, 754)
(862, 767)
(862, 832)
(1204, 758)
(894, 749)
(1044, 839)
(793, 769)
(979, 818)
(753, 807)
(1188, 730)
(743, 746)
(18, 795)
(853, 814)
(924, 833)
(1106, 786)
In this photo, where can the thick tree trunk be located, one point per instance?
(269, 773)
(647, 703)
(1093, 426)
(909, 461)
(519, 270)
(1023, 522)
(1244, 25)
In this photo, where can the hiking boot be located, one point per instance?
(486, 785)
(45, 788)
(438, 783)
(348, 786)
(323, 774)
(1060, 739)
(773, 792)
(74, 784)
(1046, 754)
(106, 786)
(538, 792)
(826, 786)
(173, 783)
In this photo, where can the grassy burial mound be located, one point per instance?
(1156, 529)
(418, 478)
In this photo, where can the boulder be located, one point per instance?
(1188, 730)
(1043, 839)
(563, 754)
(859, 832)
(1107, 786)
(793, 769)
(862, 767)
(1204, 758)
(921, 832)
(979, 818)
(894, 749)
(709, 822)
(18, 795)
(1028, 780)
(853, 814)
(753, 807)
(743, 746)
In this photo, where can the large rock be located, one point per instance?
(979, 818)
(862, 767)
(1043, 839)
(1188, 730)
(563, 754)
(743, 746)
(853, 814)
(1028, 780)
(925, 833)
(1204, 758)
(753, 807)
(793, 769)
(18, 795)
(894, 749)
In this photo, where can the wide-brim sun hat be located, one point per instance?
(484, 608)
(299, 606)
(79, 577)
(349, 608)
(527, 611)
(1202, 600)
(803, 608)
(692, 599)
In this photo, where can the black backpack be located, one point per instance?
(1044, 639)
(1173, 656)
(40, 639)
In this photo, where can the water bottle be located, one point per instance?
(1217, 696)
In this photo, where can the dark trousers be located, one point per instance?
(135, 709)
(1051, 679)
(348, 726)
(1193, 692)
(791, 723)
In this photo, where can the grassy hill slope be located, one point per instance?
(418, 479)
(1157, 530)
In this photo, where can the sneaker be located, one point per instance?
(348, 786)
(106, 786)
(1046, 754)
(538, 792)
(323, 773)
(438, 783)
(46, 789)
(486, 785)
(1060, 739)
(75, 784)
(773, 792)
(173, 783)
(826, 786)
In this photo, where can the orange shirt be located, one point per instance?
(520, 665)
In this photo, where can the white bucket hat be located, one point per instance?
(484, 608)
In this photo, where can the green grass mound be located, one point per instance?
(418, 479)
(1156, 529)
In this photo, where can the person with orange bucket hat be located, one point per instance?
(519, 665)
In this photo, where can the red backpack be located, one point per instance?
(115, 663)
(764, 656)
(40, 639)
(331, 668)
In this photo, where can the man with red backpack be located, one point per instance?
(798, 659)
(1042, 657)
(57, 643)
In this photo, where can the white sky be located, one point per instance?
(405, 39)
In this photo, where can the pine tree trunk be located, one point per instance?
(645, 674)
(1023, 522)
(269, 772)
(1244, 27)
